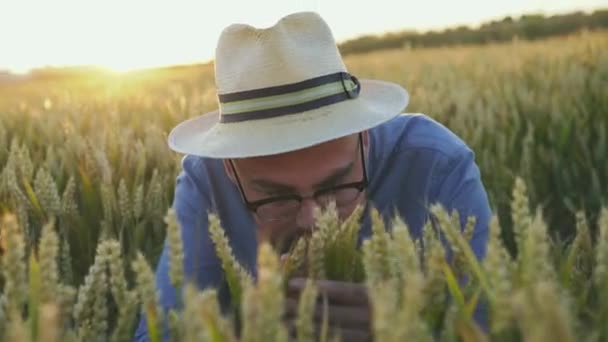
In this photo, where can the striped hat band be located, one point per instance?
(287, 99)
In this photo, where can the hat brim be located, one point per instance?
(378, 102)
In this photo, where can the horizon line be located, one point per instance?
(202, 61)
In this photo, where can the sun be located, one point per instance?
(117, 35)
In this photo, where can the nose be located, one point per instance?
(306, 217)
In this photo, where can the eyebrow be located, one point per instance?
(267, 185)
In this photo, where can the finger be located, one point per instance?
(292, 329)
(291, 308)
(337, 292)
(344, 293)
(350, 334)
(295, 286)
(293, 293)
(347, 316)
(344, 333)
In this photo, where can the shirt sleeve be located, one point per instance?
(200, 262)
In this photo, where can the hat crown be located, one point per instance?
(281, 89)
(298, 47)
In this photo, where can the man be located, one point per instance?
(293, 130)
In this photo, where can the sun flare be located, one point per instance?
(128, 35)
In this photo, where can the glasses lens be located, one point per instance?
(288, 209)
(279, 209)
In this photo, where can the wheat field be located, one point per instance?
(87, 181)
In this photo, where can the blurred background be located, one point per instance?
(126, 35)
(90, 89)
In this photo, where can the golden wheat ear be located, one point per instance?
(2, 243)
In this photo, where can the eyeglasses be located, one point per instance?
(284, 208)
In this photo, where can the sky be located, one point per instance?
(130, 34)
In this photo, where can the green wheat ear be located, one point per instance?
(202, 319)
(126, 299)
(541, 315)
(46, 192)
(342, 260)
(16, 330)
(520, 213)
(316, 255)
(306, 306)
(326, 225)
(395, 282)
(499, 267)
(176, 249)
(384, 305)
(411, 310)
(3, 317)
(535, 263)
(50, 322)
(236, 276)
(450, 226)
(49, 251)
(330, 252)
(219, 329)
(148, 296)
(579, 259)
(377, 252)
(600, 275)
(34, 296)
(13, 262)
(264, 302)
(434, 280)
(296, 258)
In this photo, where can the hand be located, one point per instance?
(348, 308)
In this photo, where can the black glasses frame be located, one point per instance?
(360, 185)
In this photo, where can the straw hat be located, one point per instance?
(284, 88)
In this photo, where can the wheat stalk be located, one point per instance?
(13, 262)
(148, 296)
(520, 212)
(176, 254)
(264, 302)
(499, 267)
(305, 329)
(237, 277)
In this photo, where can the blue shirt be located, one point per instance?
(413, 162)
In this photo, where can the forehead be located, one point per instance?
(303, 166)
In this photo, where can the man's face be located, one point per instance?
(302, 173)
